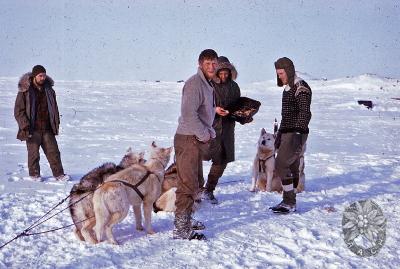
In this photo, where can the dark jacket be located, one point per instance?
(25, 106)
(222, 148)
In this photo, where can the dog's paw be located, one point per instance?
(151, 232)
(92, 241)
(252, 189)
(139, 228)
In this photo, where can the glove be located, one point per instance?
(297, 137)
(278, 140)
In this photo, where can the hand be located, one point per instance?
(203, 142)
(220, 111)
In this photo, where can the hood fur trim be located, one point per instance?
(25, 82)
(225, 65)
(230, 67)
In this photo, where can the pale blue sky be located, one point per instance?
(136, 40)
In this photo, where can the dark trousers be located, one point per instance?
(188, 154)
(288, 158)
(48, 142)
(214, 175)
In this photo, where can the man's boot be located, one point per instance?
(209, 196)
(196, 224)
(183, 229)
(288, 203)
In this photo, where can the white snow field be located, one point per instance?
(353, 153)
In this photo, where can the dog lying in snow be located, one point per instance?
(83, 191)
(135, 185)
(166, 202)
(264, 165)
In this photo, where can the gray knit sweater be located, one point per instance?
(197, 108)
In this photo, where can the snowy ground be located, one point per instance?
(353, 153)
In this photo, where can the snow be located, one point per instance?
(353, 153)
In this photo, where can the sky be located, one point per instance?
(161, 40)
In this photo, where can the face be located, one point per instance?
(40, 78)
(282, 76)
(208, 67)
(266, 141)
(223, 75)
(131, 158)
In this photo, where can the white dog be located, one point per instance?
(81, 202)
(166, 202)
(136, 185)
(264, 165)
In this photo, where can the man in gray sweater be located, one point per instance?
(191, 141)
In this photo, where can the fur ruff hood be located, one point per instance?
(25, 82)
(223, 63)
(229, 66)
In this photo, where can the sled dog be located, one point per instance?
(264, 165)
(81, 194)
(135, 185)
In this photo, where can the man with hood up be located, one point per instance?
(222, 148)
(293, 131)
(36, 112)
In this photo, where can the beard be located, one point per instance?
(39, 82)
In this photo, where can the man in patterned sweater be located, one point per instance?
(293, 132)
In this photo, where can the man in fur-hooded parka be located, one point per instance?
(38, 119)
(222, 148)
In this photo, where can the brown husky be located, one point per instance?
(81, 195)
(135, 185)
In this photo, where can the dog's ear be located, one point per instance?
(263, 132)
(141, 158)
(274, 135)
(129, 150)
(169, 150)
(154, 144)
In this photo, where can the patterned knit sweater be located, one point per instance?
(296, 112)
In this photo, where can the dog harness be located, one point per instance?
(135, 187)
(261, 164)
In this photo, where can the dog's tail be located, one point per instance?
(72, 209)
